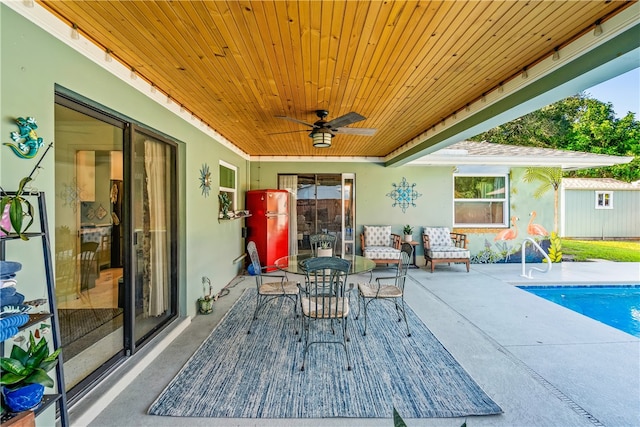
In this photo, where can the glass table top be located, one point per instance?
(292, 263)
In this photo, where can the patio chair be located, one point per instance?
(270, 286)
(323, 300)
(380, 245)
(88, 265)
(389, 288)
(322, 241)
(442, 245)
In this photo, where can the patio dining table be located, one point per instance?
(293, 263)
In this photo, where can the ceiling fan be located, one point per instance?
(322, 131)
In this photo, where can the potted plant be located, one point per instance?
(408, 233)
(225, 205)
(24, 374)
(205, 303)
(15, 209)
(325, 249)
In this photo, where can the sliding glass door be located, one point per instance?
(154, 232)
(324, 204)
(115, 238)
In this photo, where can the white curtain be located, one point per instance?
(155, 162)
(290, 183)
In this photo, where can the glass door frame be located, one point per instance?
(347, 240)
(130, 345)
(348, 217)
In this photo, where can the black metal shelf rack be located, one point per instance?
(60, 397)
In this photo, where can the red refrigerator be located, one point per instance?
(268, 225)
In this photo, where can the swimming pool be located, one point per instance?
(614, 305)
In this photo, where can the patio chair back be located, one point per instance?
(270, 286)
(324, 300)
(322, 240)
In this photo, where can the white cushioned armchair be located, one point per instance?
(443, 245)
(380, 245)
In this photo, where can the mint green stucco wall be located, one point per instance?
(32, 64)
(433, 208)
(373, 183)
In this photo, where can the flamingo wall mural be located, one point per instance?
(535, 229)
(505, 246)
(506, 235)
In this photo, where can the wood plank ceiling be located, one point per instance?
(404, 65)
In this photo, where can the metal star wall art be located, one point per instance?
(404, 195)
(205, 180)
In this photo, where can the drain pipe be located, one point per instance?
(523, 261)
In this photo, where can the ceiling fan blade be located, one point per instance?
(356, 131)
(294, 120)
(345, 120)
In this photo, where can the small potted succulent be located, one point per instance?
(205, 303)
(325, 249)
(24, 374)
(408, 233)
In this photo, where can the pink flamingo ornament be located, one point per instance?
(535, 229)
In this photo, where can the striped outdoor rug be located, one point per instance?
(237, 375)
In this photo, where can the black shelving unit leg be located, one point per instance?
(53, 309)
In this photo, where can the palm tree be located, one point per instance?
(549, 178)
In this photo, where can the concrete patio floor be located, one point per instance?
(543, 364)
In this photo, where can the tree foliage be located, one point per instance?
(577, 123)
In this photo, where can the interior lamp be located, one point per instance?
(321, 138)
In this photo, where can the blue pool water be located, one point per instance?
(617, 306)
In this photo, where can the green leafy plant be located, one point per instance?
(397, 419)
(555, 250)
(28, 366)
(225, 204)
(407, 229)
(19, 209)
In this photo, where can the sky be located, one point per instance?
(622, 91)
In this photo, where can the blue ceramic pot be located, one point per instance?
(24, 398)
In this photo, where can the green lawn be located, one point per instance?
(582, 250)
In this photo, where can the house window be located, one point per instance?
(480, 200)
(604, 199)
(228, 182)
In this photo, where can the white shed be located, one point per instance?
(602, 208)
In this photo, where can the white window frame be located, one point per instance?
(604, 199)
(234, 190)
(505, 200)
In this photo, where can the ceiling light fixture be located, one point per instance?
(74, 32)
(598, 29)
(133, 74)
(556, 53)
(107, 55)
(321, 138)
(525, 74)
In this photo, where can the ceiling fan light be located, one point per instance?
(321, 139)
